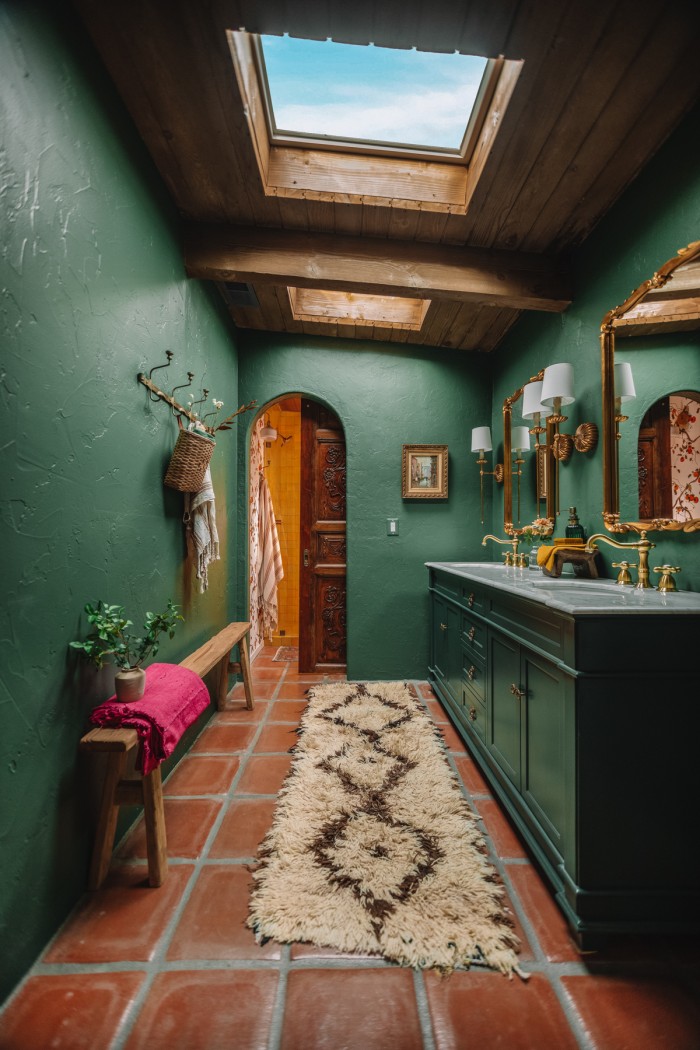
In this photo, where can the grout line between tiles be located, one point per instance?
(423, 1008)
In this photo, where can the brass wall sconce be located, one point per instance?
(268, 432)
(624, 391)
(558, 391)
(481, 443)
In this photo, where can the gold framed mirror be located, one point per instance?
(643, 491)
(544, 464)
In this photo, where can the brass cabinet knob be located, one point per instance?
(472, 714)
(517, 693)
(472, 632)
(443, 626)
(471, 673)
(470, 599)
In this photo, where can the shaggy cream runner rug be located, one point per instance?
(373, 848)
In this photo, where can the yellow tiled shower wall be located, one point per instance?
(282, 469)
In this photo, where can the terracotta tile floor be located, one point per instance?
(177, 968)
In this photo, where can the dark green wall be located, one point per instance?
(386, 396)
(659, 214)
(92, 291)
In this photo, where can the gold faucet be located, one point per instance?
(512, 557)
(642, 545)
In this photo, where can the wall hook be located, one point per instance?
(169, 354)
(205, 395)
(187, 413)
(182, 386)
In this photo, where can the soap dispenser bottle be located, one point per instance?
(574, 529)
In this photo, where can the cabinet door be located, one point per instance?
(545, 782)
(447, 648)
(504, 722)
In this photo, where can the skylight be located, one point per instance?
(330, 124)
(364, 95)
(336, 307)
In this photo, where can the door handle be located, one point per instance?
(306, 559)
(517, 692)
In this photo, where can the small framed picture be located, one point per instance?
(424, 472)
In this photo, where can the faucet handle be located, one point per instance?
(667, 582)
(623, 576)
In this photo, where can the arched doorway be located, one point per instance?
(297, 454)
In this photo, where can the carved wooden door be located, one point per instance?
(322, 637)
(654, 462)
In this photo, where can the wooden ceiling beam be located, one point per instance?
(424, 271)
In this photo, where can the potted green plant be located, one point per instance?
(110, 640)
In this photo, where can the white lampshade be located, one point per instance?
(520, 439)
(268, 433)
(481, 439)
(532, 400)
(624, 381)
(558, 383)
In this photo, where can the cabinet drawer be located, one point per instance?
(471, 597)
(475, 711)
(474, 672)
(474, 635)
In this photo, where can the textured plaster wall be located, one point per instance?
(92, 291)
(657, 215)
(385, 397)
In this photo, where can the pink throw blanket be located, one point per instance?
(173, 699)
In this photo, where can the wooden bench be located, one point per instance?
(148, 790)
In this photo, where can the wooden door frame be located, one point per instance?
(264, 408)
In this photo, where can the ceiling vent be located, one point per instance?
(238, 294)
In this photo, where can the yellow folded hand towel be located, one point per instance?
(546, 555)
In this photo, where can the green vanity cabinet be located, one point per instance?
(585, 724)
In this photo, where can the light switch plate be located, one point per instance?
(392, 526)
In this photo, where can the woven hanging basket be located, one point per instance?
(189, 460)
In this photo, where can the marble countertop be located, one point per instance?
(571, 594)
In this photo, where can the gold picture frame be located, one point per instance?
(424, 472)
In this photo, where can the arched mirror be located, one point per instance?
(650, 355)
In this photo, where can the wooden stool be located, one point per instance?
(148, 790)
(586, 560)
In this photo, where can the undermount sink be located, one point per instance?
(583, 586)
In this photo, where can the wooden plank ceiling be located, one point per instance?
(601, 88)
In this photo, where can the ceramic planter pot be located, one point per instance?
(129, 685)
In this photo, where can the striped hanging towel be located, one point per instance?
(200, 529)
(271, 568)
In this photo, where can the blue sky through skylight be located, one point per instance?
(366, 92)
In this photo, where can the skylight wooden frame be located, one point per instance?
(336, 306)
(335, 171)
